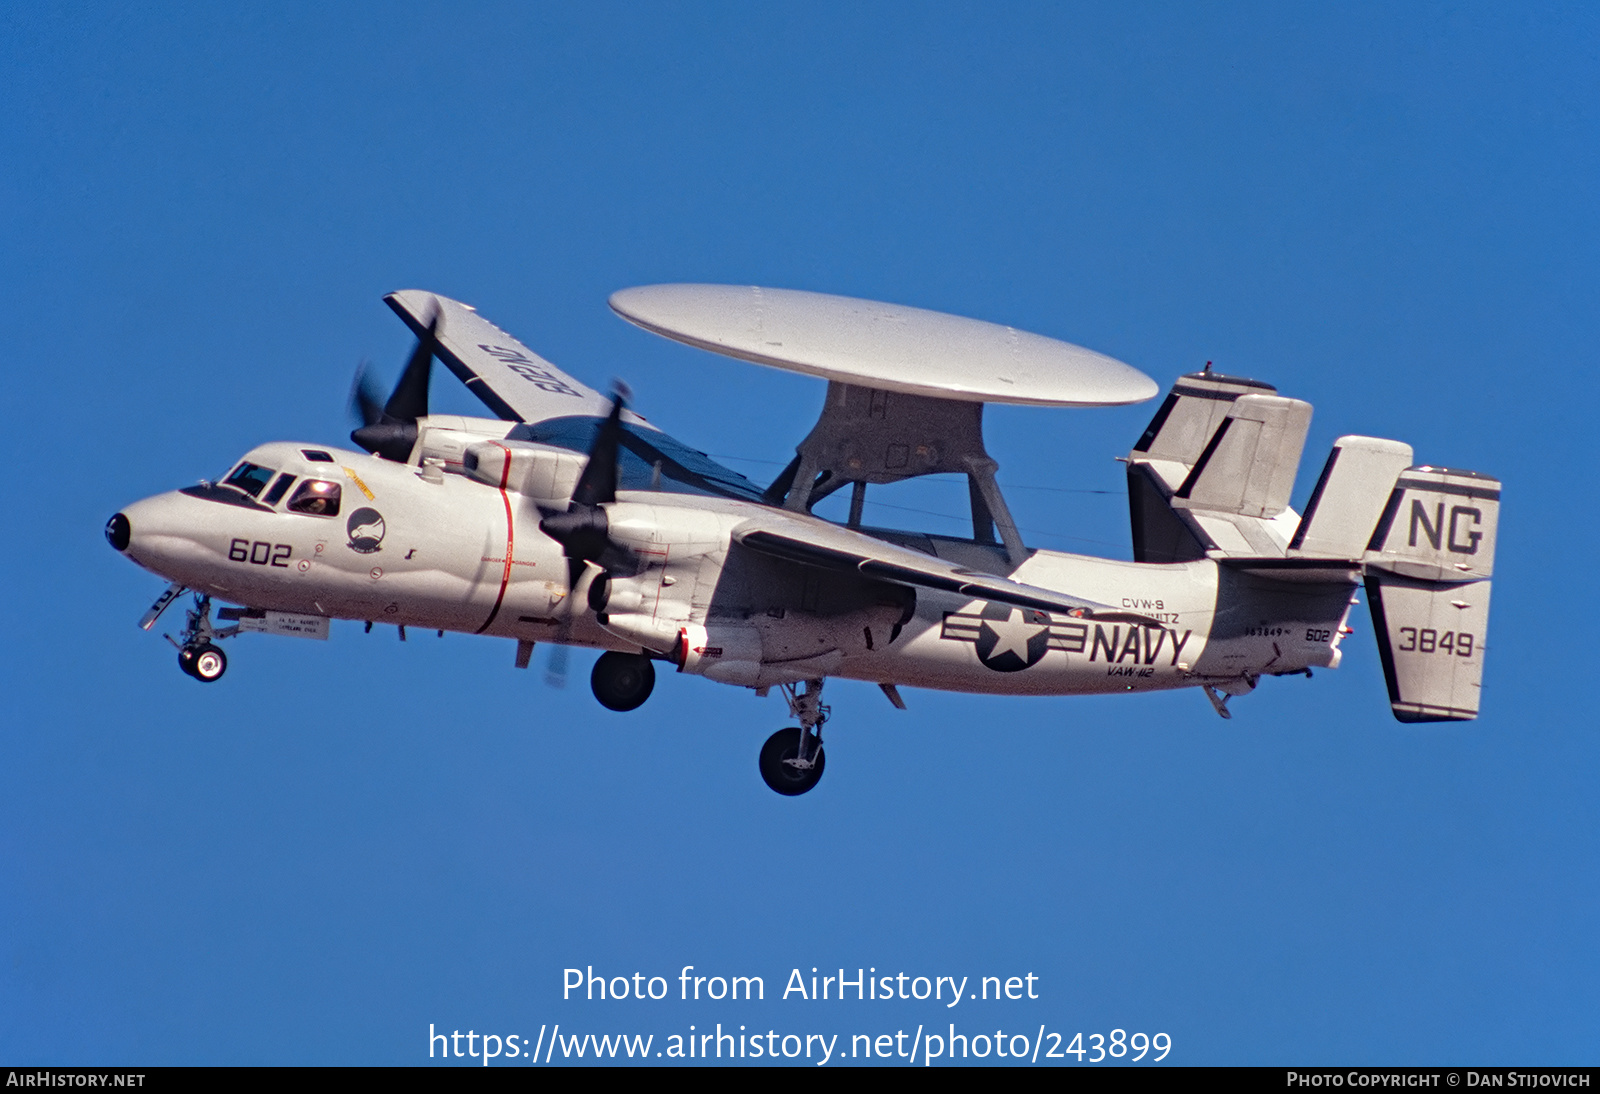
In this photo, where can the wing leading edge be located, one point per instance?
(518, 385)
(513, 381)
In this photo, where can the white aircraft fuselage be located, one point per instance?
(457, 554)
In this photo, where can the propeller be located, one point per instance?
(390, 430)
(555, 670)
(583, 530)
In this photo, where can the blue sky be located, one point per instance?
(1387, 210)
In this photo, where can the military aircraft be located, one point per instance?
(567, 518)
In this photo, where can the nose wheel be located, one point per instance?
(792, 759)
(198, 655)
(205, 662)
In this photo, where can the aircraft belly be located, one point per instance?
(1151, 638)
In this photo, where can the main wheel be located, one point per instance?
(622, 681)
(209, 664)
(778, 766)
(186, 658)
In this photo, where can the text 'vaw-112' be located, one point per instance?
(569, 519)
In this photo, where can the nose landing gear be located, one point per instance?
(198, 655)
(205, 662)
(792, 759)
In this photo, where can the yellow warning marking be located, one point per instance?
(355, 478)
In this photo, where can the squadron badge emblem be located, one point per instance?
(365, 527)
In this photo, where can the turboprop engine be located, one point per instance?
(546, 474)
(674, 552)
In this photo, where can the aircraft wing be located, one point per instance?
(513, 381)
(829, 547)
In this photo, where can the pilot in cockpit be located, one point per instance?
(316, 498)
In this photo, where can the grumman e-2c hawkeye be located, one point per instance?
(569, 519)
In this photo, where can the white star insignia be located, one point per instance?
(1012, 633)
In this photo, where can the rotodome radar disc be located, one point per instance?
(888, 346)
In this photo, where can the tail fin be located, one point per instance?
(1439, 525)
(1248, 465)
(1191, 413)
(1349, 498)
(1429, 562)
(1210, 478)
(1212, 473)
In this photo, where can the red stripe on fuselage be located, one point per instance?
(511, 537)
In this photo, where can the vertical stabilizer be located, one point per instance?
(1190, 414)
(1349, 497)
(1428, 564)
(1248, 465)
(1438, 525)
(1211, 475)
(1431, 640)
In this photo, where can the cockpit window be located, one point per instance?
(319, 499)
(249, 478)
(278, 488)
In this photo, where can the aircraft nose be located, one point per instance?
(119, 532)
(155, 532)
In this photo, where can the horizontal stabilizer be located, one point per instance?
(1349, 497)
(1248, 465)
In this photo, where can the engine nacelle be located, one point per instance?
(656, 635)
(682, 532)
(727, 652)
(611, 595)
(731, 653)
(541, 472)
(446, 437)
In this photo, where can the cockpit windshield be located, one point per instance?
(250, 478)
(278, 489)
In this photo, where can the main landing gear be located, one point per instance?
(792, 759)
(622, 681)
